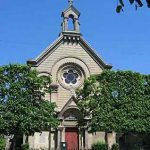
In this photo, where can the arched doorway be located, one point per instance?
(71, 117)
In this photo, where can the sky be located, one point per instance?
(27, 27)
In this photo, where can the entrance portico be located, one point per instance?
(69, 132)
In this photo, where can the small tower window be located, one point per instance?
(71, 23)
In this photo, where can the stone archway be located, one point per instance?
(68, 130)
(71, 117)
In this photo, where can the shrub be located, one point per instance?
(100, 146)
(25, 147)
(2, 142)
(115, 147)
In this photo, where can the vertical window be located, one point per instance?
(71, 23)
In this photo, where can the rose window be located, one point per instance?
(70, 76)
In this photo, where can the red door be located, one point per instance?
(72, 138)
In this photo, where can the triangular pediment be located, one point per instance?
(69, 36)
(71, 8)
(72, 103)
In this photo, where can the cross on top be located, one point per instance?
(70, 2)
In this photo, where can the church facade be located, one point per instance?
(69, 60)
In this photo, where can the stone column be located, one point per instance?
(63, 134)
(59, 137)
(86, 138)
(81, 140)
(65, 24)
(77, 25)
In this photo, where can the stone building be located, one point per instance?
(69, 60)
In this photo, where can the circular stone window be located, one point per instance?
(70, 76)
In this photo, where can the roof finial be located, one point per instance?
(70, 2)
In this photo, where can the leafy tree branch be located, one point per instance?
(117, 101)
(23, 107)
(137, 3)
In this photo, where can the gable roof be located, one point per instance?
(35, 62)
(71, 8)
(71, 103)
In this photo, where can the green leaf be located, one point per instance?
(121, 2)
(131, 1)
(139, 2)
(148, 3)
(119, 8)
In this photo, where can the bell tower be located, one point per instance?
(70, 18)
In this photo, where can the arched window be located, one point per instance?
(71, 23)
(72, 114)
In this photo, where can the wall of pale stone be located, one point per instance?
(41, 140)
(69, 50)
(95, 137)
(66, 50)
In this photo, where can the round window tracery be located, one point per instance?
(71, 76)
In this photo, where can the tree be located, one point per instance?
(137, 3)
(117, 101)
(2, 142)
(23, 108)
